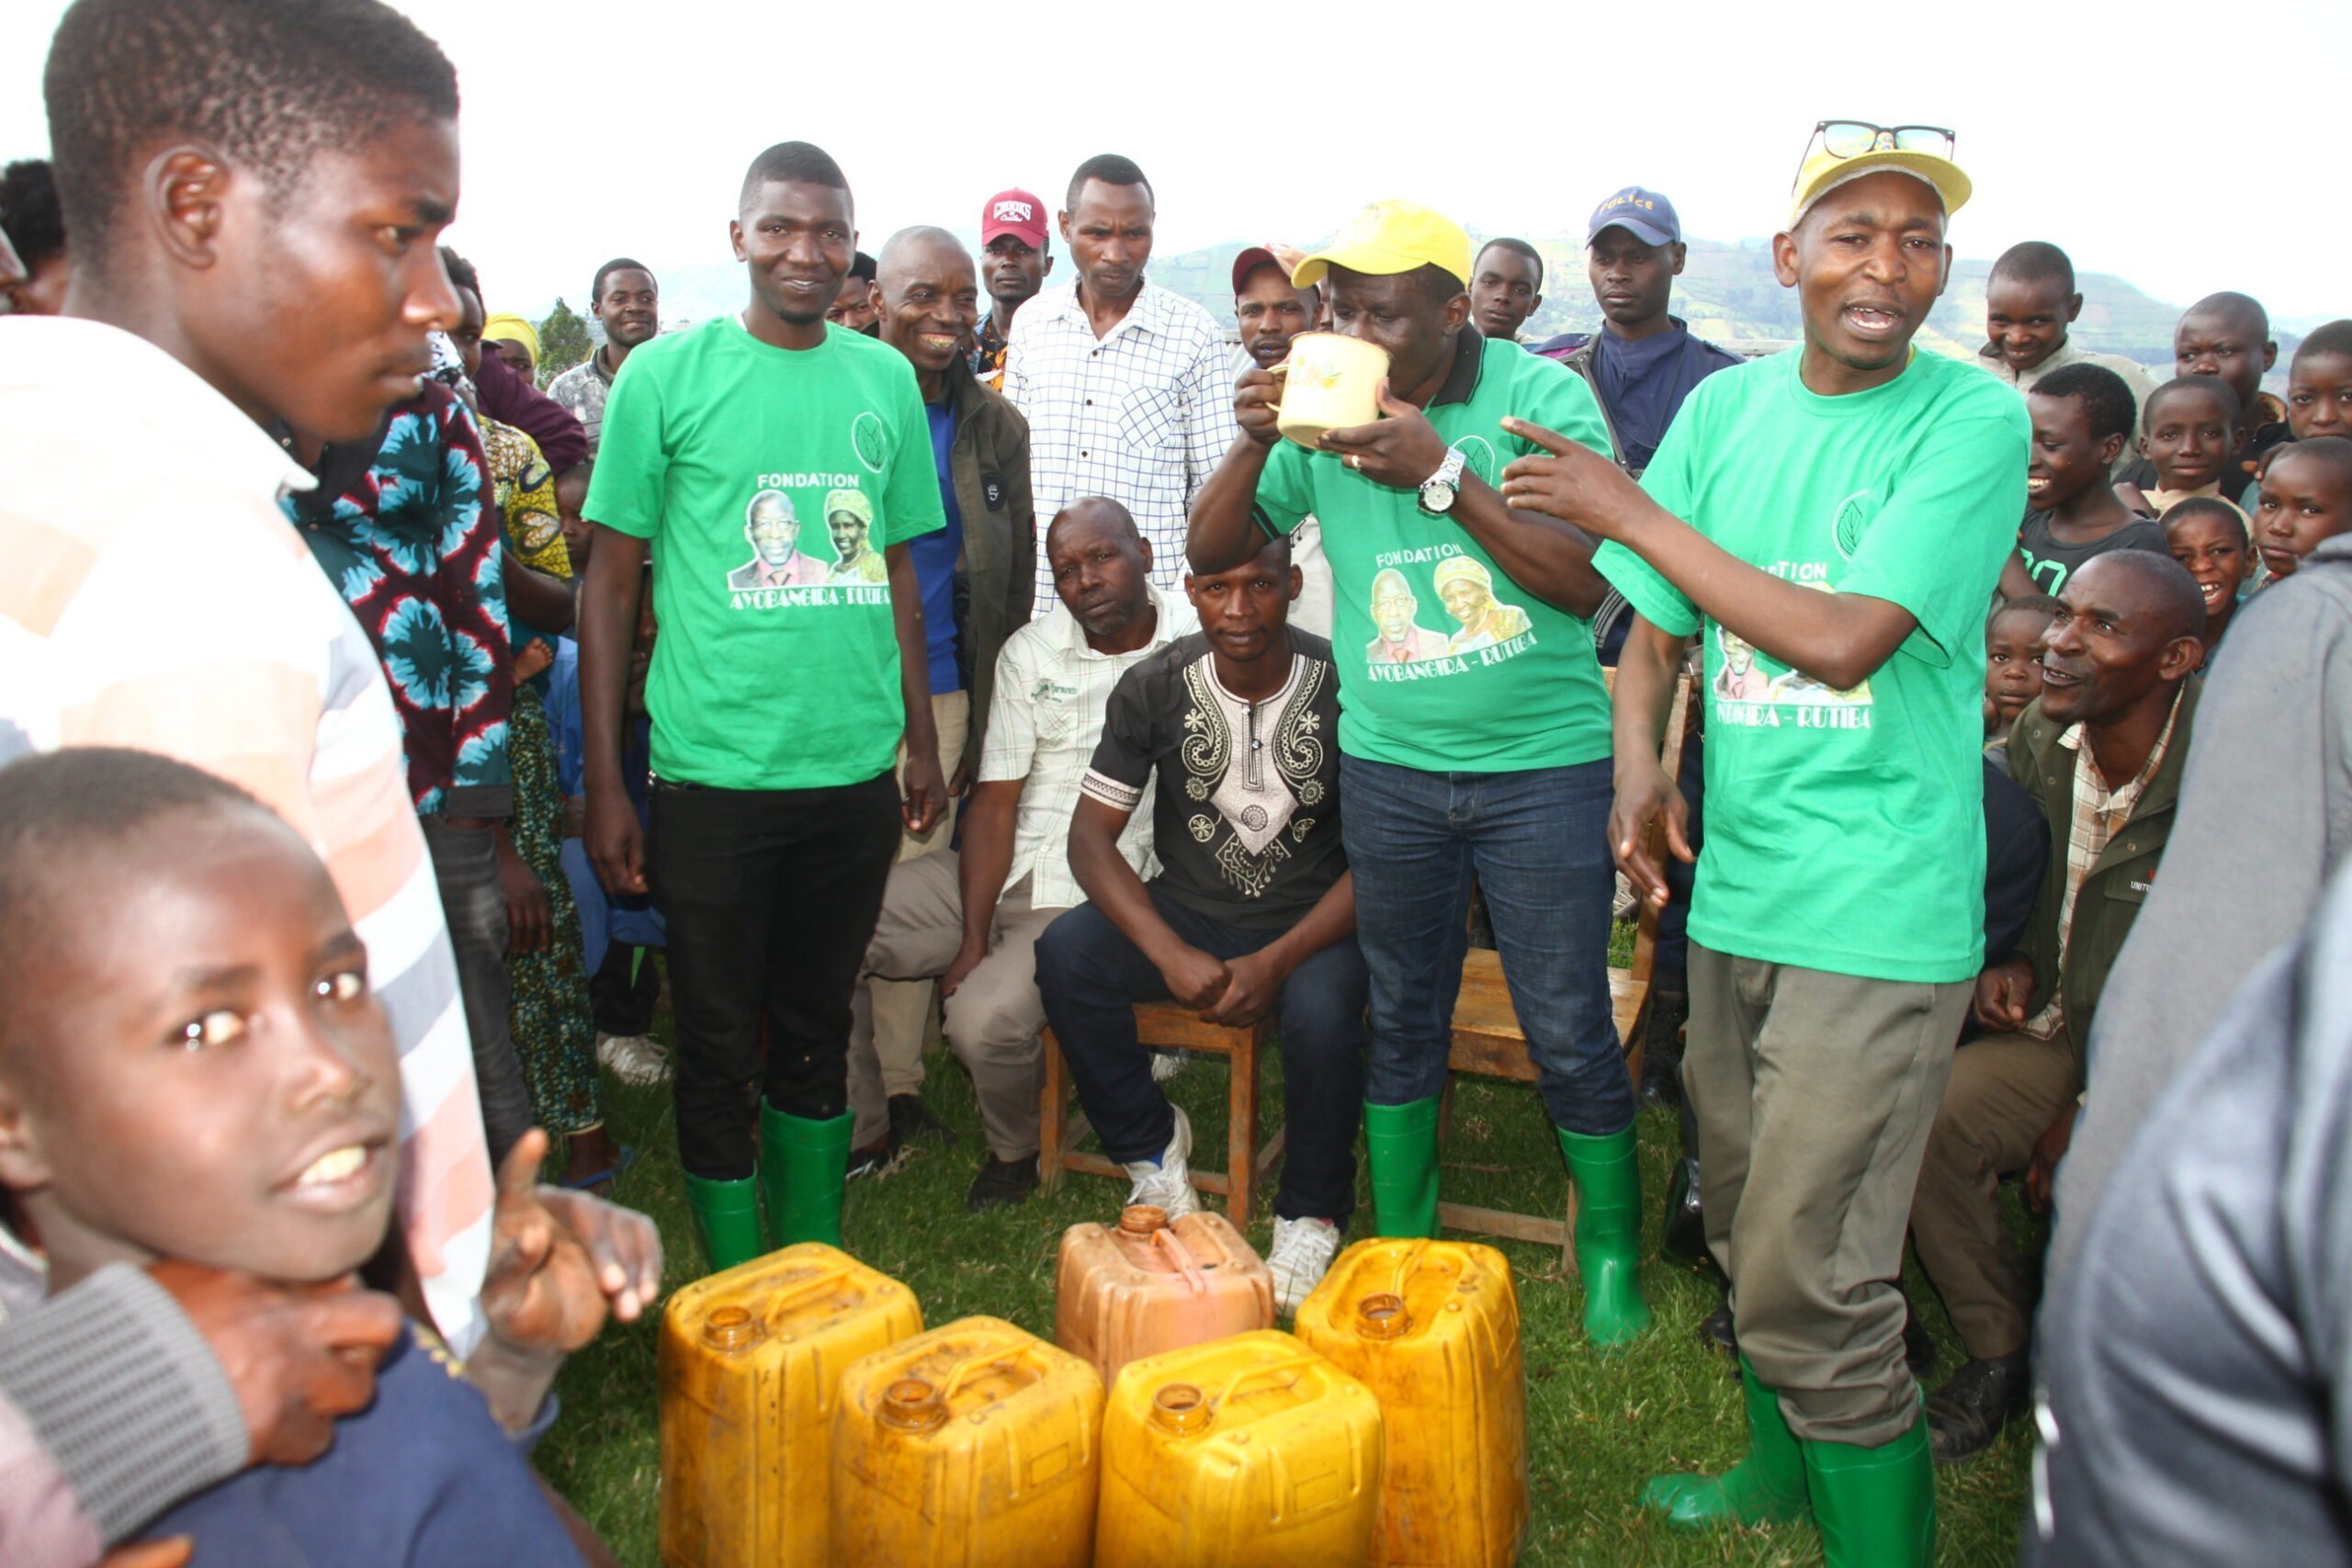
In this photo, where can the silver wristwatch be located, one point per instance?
(1438, 489)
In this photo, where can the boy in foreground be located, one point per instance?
(2186, 429)
(1848, 511)
(2013, 661)
(197, 1070)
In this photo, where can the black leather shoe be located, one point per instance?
(877, 1160)
(1975, 1404)
(1716, 1329)
(1685, 1236)
(1918, 1346)
(1000, 1183)
(910, 1119)
(1662, 1046)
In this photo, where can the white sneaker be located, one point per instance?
(1298, 1260)
(1166, 1065)
(634, 1058)
(1167, 1186)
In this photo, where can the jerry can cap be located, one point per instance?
(1142, 1219)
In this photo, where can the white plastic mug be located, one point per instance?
(1330, 382)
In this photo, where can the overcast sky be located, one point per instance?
(592, 128)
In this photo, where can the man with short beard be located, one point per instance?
(626, 302)
(1127, 386)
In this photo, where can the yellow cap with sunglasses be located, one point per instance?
(1842, 151)
(1390, 237)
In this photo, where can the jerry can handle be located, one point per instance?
(1290, 1363)
(994, 1363)
(829, 1274)
(1186, 1264)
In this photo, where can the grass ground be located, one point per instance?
(1596, 1426)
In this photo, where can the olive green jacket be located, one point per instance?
(2119, 881)
(997, 574)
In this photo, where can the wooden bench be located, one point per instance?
(1488, 1042)
(1166, 1026)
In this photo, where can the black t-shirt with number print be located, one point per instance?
(1245, 819)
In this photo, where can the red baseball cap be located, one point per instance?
(1251, 261)
(1013, 212)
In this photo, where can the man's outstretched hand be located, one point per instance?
(298, 1356)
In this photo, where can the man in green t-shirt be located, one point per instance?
(791, 660)
(1832, 520)
(1474, 729)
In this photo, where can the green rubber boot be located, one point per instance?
(1767, 1486)
(1876, 1507)
(1609, 1235)
(726, 1218)
(1400, 1145)
(804, 1165)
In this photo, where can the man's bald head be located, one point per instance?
(1102, 567)
(1093, 513)
(2151, 584)
(912, 251)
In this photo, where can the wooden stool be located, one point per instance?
(1166, 1026)
(1488, 1040)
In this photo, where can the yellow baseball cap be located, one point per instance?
(1390, 237)
(1844, 150)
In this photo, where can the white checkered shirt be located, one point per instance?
(1051, 693)
(1143, 416)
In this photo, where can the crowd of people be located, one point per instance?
(341, 859)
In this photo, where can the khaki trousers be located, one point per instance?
(991, 1021)
(1813, 1092)
(902, 1008)
(2004, 1091)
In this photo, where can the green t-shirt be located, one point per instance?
(1845, 829)
(769, 481)
(1445, 663)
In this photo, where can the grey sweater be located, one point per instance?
(2197, 1361)
(2265, 816)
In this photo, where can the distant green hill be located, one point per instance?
(1726, 292)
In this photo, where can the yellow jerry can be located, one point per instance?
(1247, 1452)
(749, 1362)
(1147, 1286)
(1431, 1327)
(974, 1446)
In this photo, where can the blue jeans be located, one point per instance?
(1091, 975)
(1538, 842)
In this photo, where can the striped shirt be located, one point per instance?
(1143, 415)
(154, 596)
(1052, 690)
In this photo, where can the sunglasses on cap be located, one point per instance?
(1852, 138)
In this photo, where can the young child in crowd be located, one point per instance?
(2208, 535)
(2319, 383)
(2013, 661)
(2304, 496)
(2186, 433)
(194, 1068)
(2081, 417)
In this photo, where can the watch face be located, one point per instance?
(1437, 496)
